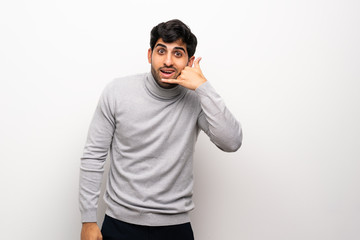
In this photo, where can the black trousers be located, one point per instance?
(113, 229)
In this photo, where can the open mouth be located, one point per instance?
(167, 73)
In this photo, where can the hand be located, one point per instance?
(190, 77)
(90, 231)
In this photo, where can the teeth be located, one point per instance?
(167, 72)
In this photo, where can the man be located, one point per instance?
(149, 123)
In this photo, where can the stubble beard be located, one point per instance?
(157, 78)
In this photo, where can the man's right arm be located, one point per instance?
(99, 138)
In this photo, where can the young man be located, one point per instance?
(149, 124)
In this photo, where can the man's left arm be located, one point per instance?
(215, 119)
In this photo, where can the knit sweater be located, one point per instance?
(150, 134)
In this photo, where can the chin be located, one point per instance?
(166, 85)
(162, 84)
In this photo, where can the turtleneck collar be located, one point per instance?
(162, 93)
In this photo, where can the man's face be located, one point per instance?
(168, 60)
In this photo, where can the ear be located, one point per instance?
(191, 61)
(149, 55)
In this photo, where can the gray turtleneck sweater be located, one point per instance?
(150, 134)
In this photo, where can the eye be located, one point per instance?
(178, 54)
(161, 51)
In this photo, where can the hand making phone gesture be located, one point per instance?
(191, 77)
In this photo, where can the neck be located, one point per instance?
(161, 92)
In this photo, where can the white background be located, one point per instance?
(288, 70)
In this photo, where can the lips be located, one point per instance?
(167, 72)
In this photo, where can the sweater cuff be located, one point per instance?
(203, 88)
(89, 215)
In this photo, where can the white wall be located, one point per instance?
(289, 70)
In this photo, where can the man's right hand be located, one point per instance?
(90, 231)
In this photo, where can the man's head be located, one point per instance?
(172, 48)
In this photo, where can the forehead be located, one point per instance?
(178, 43)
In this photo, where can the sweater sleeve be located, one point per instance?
(217, 121)
(96, 148)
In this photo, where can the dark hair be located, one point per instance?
(171, 31)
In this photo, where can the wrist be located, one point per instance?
(89, 223)
(202, 82)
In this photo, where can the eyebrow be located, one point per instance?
(162, 45)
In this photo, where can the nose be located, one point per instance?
(168, 60)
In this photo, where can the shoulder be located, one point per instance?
(192, 99)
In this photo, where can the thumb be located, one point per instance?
(196, 62)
